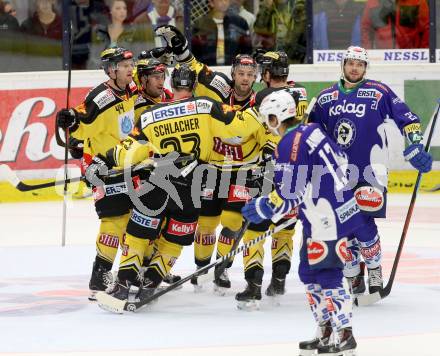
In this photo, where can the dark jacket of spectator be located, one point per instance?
(7, 21)
(404, 24)
(204, 40)
(337, 27)
(33, 26)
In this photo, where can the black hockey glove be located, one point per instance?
(97, 170)
(175, 40)
(162, 54)
(76, 147)
(66, 118)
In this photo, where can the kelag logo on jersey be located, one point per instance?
(326, 98)
(348, 108)
(344, 133)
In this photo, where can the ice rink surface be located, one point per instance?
(44, 308)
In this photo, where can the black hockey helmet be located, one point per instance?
(243, 60)
(149, 66)
(276, 63)
(183, 76)
(110, 57)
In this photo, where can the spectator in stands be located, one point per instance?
(280, 25)
(238, 9)
(140, 6)
(395, 24)
(159, 13)
(9, 8)
(113, 31)
(337, 24)
(44, 22)
(219, 36)
(274, 20)
(7, 21)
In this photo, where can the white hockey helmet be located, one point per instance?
(355, 53)
(281, 104)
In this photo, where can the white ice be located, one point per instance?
(44, 309)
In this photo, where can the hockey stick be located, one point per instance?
(369, 299)
(222, 266)
(309, 109)
(12, 178)
(66, 133)
(114, 305)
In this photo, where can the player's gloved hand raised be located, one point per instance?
(418, 157)
(97, 170)
(258, 210)
(162, 54)
(66, 118)
(175, 40)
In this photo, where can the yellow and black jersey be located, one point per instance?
(187, 126)
(106, 117)
(214, 85)
(292, 87)
(144, 102)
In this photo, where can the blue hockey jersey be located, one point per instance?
(355, 119)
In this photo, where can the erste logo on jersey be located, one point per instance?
(347, 108)
(344, 133)
(326, 98)
(374, 94)
(317, 251)
(173, 111)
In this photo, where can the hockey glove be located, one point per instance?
(76, 147)
(264, 208)
(162, 54)
(175, 40)
(66, 118)
(97, 170)
(418, 157)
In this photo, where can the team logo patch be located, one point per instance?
(369, 198)
(344, 133)
(317, 251)
(341, 250)
(204, 106)
(104, 98)
(221, 85)
(126, 123)
(238, 193)
(180, 228)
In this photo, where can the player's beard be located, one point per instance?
(355, 77)
(243, 89)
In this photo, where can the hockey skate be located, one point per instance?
(375, 281)
(146, 292)
(357, 283)
(345, 345)
(250, 298)
(197, 281)
(222, 283)
(323, 337)
(102, 279)
(171, 278)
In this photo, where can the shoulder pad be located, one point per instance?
(375, 84)
(220, 83)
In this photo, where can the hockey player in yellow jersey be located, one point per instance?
(169, 212)
(228, 155)
(104, 119)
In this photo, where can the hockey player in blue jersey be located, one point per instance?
(310, 173)
(353, 112)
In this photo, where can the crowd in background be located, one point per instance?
(31, 31)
